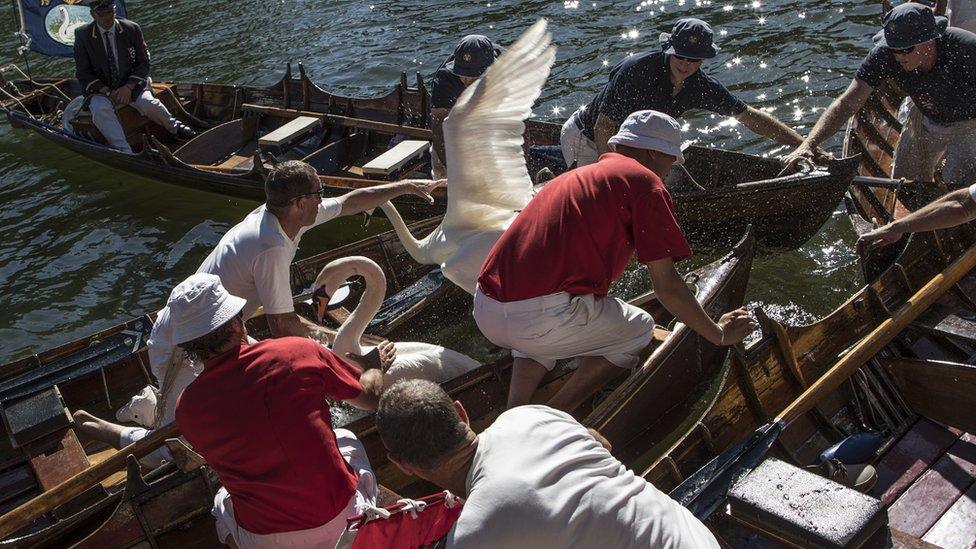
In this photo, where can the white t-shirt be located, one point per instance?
(253, 261)
(539, 479)
(254, 257)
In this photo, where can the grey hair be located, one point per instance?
(287, 181)
(418, 423)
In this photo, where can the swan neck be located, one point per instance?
(410, 244)
(351, 332)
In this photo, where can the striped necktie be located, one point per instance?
(113, 65)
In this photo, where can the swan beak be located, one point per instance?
(320, 302)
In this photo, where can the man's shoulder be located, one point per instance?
(960, 38)
(85, 32)
(128, 24)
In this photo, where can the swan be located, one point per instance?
(414, 360)
(66, 33)
(488, 181)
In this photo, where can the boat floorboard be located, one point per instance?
(929, 480)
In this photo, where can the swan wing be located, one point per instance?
(487, 177)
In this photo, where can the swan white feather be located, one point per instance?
(488, 181)
(414, 360)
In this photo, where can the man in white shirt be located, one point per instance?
(253, 261)
(534, 478)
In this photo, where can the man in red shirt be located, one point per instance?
(259, 415)
(543, 289)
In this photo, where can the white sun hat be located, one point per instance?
(200, 305)
(651, 130)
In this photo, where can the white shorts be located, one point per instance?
(558, 326)
(321, 536)
(924, 144)
(576, 147)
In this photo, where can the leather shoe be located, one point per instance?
(184, 132)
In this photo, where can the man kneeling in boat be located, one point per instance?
(936, 67)
(258, 413)
(112, 66)
(534, 478)
(543, 289)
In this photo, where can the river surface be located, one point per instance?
(84, 247)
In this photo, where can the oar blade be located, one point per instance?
(704, 491)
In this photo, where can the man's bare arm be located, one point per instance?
(361, 200)
(677, 298)
(830, 122)
(605, 129)
(950, 210)
(767, 125)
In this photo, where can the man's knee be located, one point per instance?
(100, 103)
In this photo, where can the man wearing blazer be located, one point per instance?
(112, 65)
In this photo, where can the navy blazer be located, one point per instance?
(91, 60)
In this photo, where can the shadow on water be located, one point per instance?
(85, 246)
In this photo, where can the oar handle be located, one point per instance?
(886, 182)
(62, 493)
(881, 336)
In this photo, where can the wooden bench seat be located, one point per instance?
(295, 130)
(389, 163)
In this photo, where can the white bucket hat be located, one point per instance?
(651, 130)
(200, 305)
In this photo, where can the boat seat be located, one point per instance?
(946, 321)
(390, 163)
(786, 503)
(291, 133)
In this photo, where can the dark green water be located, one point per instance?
(84, 247)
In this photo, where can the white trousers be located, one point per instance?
(557, 326)
(924, 144)
(576, 146)
(107, 122)
(325, 536)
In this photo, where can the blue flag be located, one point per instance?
(48, 26)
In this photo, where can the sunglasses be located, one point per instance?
(904, 51)
(686, 59)
(320, 193)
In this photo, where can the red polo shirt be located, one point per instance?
(578, 234)
(259, 415)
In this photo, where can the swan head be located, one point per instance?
(332, 287)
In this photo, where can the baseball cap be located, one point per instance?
(472, 56)
(909, 24)
(690, 38)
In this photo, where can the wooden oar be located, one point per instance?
(702, 492)
(62, 493)
(887, 182)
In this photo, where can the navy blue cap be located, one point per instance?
(691, 38)
(909, 24)
(472, 56)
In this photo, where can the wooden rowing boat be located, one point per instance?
(918, 392)
(716, 195)
(683, 362)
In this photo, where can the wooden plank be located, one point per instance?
(936, 490)
(343, 121)
(15, 482)
(290, 132)
(920, 447)
(956, 528)
(941, 320)
(56, 458)
(393, 159)
(901, 540)
(942, 391)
